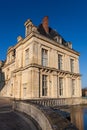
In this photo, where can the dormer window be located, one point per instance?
(58, 39)
(69, 45)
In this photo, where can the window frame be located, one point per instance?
(44, 85)
(44, 57)
(26, 56)
(73, 86)
(61, 86)
(60, 61)
(72, 65)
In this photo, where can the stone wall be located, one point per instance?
(46, 117)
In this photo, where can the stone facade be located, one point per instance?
(41, 65)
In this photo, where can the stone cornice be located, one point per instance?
(6, 65)
(24, 40)
(50, 41)
(40, 67)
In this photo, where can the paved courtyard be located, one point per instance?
(11, 120)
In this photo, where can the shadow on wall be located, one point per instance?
(2, 76)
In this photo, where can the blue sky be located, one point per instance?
(67, 17)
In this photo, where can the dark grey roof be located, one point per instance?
(52, 34)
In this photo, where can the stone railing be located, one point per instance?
(56, 102)
(45, 117)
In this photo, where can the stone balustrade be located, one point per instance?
(47, 118)
(44, 113)
(56, 102)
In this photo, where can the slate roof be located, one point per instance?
(52, 34)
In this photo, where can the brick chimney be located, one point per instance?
(45, 24)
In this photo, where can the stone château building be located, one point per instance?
(41, 65)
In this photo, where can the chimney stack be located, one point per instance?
(45, 24)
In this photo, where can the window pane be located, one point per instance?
(44, 85)
(44, 57)
(73, 86)
(27, 57)
(60, 86)
(60, 62)
(72, 65)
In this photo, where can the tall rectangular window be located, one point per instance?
(59, 62)
(60, 86)
(44, 57)
(27, 57)
(71, 65)
(44, 85)
(73, 86)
